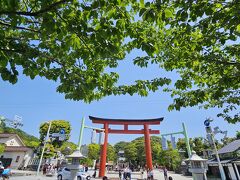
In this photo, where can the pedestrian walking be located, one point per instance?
(165, 173)
(120, 174)
(94, 174)
(141, 171)
(6, 173)
(151, 174)
(148, 174)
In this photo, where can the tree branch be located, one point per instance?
(76, 32)
(18, 27)
(49, 8)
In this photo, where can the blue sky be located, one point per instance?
(37, 101)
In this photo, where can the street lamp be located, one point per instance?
(210, 137)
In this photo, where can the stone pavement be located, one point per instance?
(158, 175)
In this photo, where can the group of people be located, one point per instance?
(49, 168)
(149, 174)
(125, 174)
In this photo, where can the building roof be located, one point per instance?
(16, 149)
(76, 154)
(8, 135)
(231, 147)
(195, 157)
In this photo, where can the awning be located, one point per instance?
(223, 162)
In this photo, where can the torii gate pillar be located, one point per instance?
(148, 147)
(104, 153)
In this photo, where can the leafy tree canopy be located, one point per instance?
(93, 151)
(2, 148)
(78, 43)
(238, 135)
(111, 153)
(135, 150)
(120, 146)
(68, 148)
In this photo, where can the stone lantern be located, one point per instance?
(198, 167)
(74, 166)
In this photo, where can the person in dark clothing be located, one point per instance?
(120, 174)
(165, 173)
(86, 169)
(94, 174)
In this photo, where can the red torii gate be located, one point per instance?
(126, 122)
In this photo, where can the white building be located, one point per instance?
(16, 154)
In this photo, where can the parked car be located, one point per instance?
(65, 173)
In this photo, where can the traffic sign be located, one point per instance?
(62, 137)
(55, 134)
(206, 122)
(62, 131)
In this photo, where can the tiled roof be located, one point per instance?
(214, 161)
(16, 149)
(6, 135)
(231, 147)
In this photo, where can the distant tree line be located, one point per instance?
(135, 151)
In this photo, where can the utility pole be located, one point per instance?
(223, 177)
(83, 126)
(184, 132)
(81, 134)
(44, 146)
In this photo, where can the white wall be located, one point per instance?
(13, 155)
(13, 141)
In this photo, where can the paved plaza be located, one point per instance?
(158, 175)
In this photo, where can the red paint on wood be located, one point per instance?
(104, 153)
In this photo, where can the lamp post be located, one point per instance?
(198, 167)
(210, 135)
(44, 146)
